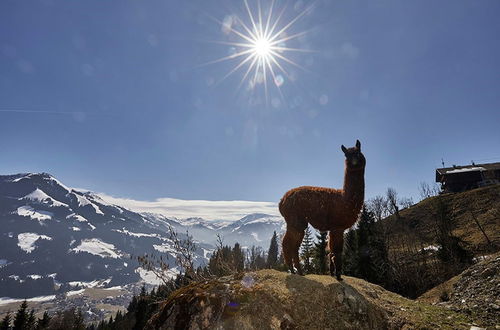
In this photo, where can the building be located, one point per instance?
(461, 178)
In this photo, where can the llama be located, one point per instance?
(326, 209)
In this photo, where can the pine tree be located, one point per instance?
(366, 250)
(319, 253)
(238, 258)
(307, 251)
(21, 318)
(5, 323)
(272, 254)
(79, 323)
(142, 312)
(43, 322)
(351, 253)
(31, 322)
(365, 231)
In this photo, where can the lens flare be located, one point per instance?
(262, 48)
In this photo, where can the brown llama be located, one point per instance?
(326, 209)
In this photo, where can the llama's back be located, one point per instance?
(309, 203)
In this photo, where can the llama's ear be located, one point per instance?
(344, 149)
(358, 145)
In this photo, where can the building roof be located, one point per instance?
(440, 172)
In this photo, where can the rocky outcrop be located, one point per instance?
(269, 299)
(475, 292)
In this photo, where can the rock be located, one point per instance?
(287, 323)
(277, 300)
(487, 272)
(475, 291)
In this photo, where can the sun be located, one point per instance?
(262, 48)
(261, 52)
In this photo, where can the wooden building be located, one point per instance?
(461, 178)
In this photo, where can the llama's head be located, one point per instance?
(354, 159)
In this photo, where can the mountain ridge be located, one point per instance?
(49, 228)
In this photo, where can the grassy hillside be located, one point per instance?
(418, 222)
(427, 243)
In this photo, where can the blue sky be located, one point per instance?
(111, 96)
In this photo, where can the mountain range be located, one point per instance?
(54, 239)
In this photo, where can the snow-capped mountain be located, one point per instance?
(254, 229)
(53, 237)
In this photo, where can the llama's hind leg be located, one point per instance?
(291, 244)
(288, 250)
(336, 246)
(296, 258)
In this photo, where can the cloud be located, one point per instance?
(209, 210)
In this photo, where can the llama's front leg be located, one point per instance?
(336, 245)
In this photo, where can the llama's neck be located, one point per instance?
(354, 187)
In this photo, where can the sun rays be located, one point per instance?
(260, 50)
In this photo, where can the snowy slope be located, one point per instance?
(64, 236)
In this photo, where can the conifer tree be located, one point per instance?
(31, 321)
(5, 323)
(78, 323)
(238, 258)
(272, 254)
(21, 318)
(319, 253)
(141, 312)
(307, 250)
(43, 322)
(351, 253)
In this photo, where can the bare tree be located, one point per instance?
(392, 201)
(378, 206)
(184, 258)
(406, 202)
(427, 190)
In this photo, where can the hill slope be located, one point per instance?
(269, 299)
(483, 204)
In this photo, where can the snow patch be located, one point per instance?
(91, 284)
(28, 211)
(40, 196)
(207, 253)
(149, 276)
(99, 248)
(74, 293)
(467, 169)
(431, 248)
(256, 237)
(76, 217)
(165, 248)
(126, 232)
(83, 201)
(26, 241)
